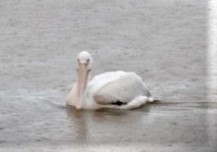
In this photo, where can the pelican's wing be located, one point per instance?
(120, 90)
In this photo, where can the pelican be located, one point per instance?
(116, 90)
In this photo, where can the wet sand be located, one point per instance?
(164, 42)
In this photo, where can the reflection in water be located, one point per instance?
(186, 122)
(94, 126)
(162, 123)
(78, 123)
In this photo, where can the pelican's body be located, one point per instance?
(117, 90)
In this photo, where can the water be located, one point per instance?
(164, 42)
(38, 122)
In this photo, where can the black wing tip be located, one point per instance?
(118, 103)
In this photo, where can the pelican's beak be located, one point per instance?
(83, 74)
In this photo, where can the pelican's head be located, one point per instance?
(85, 58)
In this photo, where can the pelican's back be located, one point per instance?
(117, 86)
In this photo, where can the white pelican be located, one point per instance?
(117, 90)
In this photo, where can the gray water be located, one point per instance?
(29, 123)
(164, 42)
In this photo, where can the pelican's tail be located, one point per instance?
(135, 103)
(151, 99)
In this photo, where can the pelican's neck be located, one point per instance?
(82, 81)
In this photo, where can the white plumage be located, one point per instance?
(117, 90)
